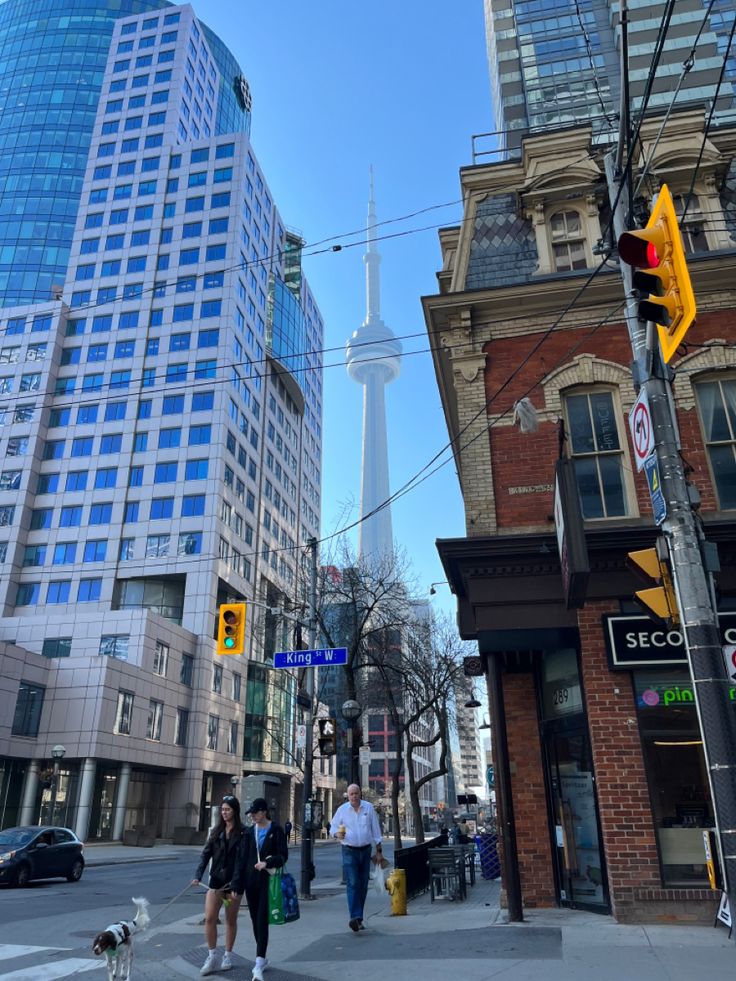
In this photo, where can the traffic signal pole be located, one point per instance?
(307, 832)
(698, 615)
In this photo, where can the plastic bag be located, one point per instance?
(275, 899)
(379, 879)
(526, 416)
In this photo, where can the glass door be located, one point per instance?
(581, 871)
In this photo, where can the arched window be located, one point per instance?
(596, 448)
(568, 241)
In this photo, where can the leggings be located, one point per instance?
(256, 894)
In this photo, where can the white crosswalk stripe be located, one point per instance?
(51, 972)
(9, 951)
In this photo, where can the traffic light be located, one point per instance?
(326, 740)
(231, 629)
(662, 278)
(651, 565)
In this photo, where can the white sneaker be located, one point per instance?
(257, 973)
(226, 963)
(210, 965)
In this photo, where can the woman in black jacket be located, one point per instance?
(263, 847)
(221, 850)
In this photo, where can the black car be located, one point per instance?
(39, 853)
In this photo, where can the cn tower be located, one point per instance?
(373, 357)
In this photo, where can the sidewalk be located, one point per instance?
(460, 941)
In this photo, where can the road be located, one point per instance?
(46, 929)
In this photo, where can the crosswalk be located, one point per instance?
(64, 968)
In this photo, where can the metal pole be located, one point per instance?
(698, 616)
(53, 792)
(307, 834)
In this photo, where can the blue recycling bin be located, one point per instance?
(490, 863)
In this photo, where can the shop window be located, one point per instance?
(717, 403)
(676, 772)
(568, 241)
(595, 446)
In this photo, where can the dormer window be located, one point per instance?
(693, 228)
(568, 241)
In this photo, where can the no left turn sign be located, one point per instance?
(642, 434)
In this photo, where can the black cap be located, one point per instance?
(259, 804)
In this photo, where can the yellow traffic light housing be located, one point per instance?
(662, 278)
(651, 565)
(231, 629)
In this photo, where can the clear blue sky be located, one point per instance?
(338, 85)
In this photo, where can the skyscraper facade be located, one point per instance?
(555, 64)
(162, 441)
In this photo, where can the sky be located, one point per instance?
(339, 86)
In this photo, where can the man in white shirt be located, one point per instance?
(355, 825)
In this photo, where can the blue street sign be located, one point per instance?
(326, 656)
(655, 489)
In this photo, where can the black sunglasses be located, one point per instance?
(228, 798)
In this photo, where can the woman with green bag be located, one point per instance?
(263, 853)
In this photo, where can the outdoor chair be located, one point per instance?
(446, 874)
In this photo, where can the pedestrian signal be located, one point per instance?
(651, 565)
(662, 278)
(231, 629)
(327, 739)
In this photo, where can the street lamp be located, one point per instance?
(432, 590)
(58, 753)
(351, 712)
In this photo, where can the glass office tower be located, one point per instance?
(555, 63)
(52, 60)
(161, 452)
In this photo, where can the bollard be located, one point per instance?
(396, 887)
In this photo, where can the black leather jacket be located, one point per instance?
(274, 853)
(223, 853)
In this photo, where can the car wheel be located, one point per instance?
(22, 876)
(75, 872)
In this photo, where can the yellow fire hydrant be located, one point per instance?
(396, 887)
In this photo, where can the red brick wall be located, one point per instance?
(528, 790)
(623, 797)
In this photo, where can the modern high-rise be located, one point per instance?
(161, 439)
(555, 63)
(374, 359)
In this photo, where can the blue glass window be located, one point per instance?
(215, 252)
(100, 514)
(200, 435)
(179, 342)
(161, 508)
(140, 237)
(172, 405)
(224, 150)
(192, 506)
(58, 591)
(184, 311)
(221, 200)
(202, 401)
(76, 480)
(218, 226)
(87, 414)
(106, 477)
(187, 257)
(196, 469)
(89, 590)
(132, 509)
(192, 229)
(115, 411)
(114, 242)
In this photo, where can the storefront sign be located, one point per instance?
(638, 642)
(570, 535)
(724, 911)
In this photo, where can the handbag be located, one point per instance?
(290, 898)
(275, 896)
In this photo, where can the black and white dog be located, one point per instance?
(116, 942)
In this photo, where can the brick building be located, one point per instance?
(594, 723)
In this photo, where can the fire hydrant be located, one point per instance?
(396, 887)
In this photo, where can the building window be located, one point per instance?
(717, 403)
(217, 679)
(28, 709)
(692, 229)
(232, 738)
(213, 730)
(115, 645)
(160, 658)
(568, 242)
(155, 718)
(186, 672)
(237, 682)
(57, 647)
(182, 727)
(123, 713)
(595, 448)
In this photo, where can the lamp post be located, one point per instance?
(351, 712)
(58, 753)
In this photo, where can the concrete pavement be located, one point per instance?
(465, 941)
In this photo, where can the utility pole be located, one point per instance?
(698, 616)
(307, 834)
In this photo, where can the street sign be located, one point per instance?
(490, 777)
(364, 755)
(323, 657)
(729, 656)
(301, 737)
(655, 489)
(642, 433)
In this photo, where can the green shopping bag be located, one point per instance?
(275, 899)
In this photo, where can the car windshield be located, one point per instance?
(16, 837)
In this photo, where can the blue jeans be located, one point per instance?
(356, 864)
